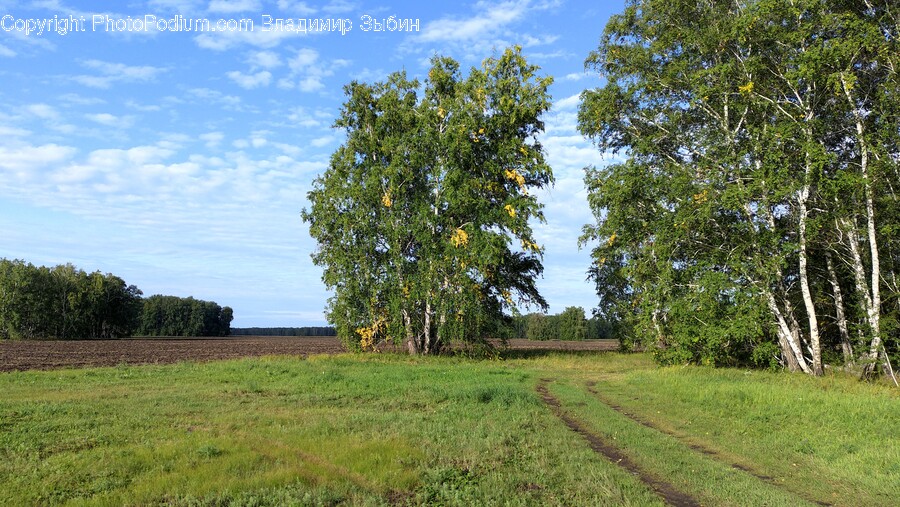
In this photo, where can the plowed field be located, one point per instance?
(28, 355)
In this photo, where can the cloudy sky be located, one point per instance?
(180, 160)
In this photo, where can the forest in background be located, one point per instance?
(67, 303)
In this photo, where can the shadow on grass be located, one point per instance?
(537, 353)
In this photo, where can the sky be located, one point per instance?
(179, 158)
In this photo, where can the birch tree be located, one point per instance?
(423, 218)
(751, 130)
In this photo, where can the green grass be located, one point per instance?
(360, 430)
(831, 440)
(382, 429)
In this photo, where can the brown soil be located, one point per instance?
(27, 355)
(667, 491)
(44, 355)
(591, 387)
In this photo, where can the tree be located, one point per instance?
(64, 303)
(175, 316)
(572, 324)
(422, 219)
(762, 141)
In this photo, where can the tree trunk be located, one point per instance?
(788, 338)
(874, 310)
(815, 346)
(862, 287)
(426, 332)
(840, 317)
(411, 343)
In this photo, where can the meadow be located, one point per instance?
(383, 429)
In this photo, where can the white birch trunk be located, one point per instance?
(815, 346)
(874, 310)
(787, 337)
(840, 317)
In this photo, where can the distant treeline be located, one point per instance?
(66, 303)
(284, 331)
(571, 324)
(175, 316)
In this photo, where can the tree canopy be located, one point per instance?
(176, 316)
(64, 302)
(67, 303)
(753, 218)
(423, 217)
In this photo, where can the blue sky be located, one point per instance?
(180, 161)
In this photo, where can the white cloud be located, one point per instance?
(233, 6)
(308, 72)
(111, 73)
(490, 19)
(113, 158)
(289, 149)
(120, 122)
(212, 139)
(576, 76)
(176, 6)
(304, 58)
(74, 98)
(42, 111)
(6, 52)
(570, 102)
(214, 96)
(132, 105)
(25, 159)
(339, 7)
(6, 131)
(320, 142)
(223, 41)
(294, 8)
(531, 41)
(264, 59)
(250, 81)
(301, 117)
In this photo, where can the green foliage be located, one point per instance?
(423, 217)
(754, 133)
(284, 331)
(175, 316)
(64, 303)
(571, 324)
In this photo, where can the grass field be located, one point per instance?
(383, 429)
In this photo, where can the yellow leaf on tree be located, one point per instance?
(528, 245)
(459, 238)
(747, 88)
(509, 209)
(515, 176)
(386, 199)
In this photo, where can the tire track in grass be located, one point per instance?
(669, 493)
(706, 451)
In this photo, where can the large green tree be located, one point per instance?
(423, 217)
(750, 215)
